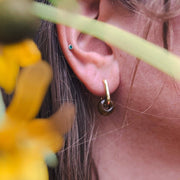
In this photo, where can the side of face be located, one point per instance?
(143, 131)
(137, 86)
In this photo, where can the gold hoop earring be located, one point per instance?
(106, 105)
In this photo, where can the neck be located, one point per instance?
(138, 147)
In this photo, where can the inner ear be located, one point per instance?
(86, 42)
(91, 44)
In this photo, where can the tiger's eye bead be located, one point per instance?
(104, 108)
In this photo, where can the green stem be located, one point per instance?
(128, 42)
(53, 1)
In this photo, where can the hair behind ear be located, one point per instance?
(75, 157)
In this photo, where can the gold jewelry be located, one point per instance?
(106, 106)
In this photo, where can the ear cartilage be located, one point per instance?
(70, 47)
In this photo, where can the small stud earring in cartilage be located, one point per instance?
(70, 47)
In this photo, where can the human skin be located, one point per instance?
(141, 138)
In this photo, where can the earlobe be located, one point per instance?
(92, 60)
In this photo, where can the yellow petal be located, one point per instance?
(24, 53)
(30, 90)
(49, 131)
(43, 132)
(35, 169)
(8, 139)
(8, 74)
(22, 165)
(63, 119)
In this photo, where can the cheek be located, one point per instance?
(119, 16)
(174, 35)
(154, 93)
(142, 87)
(150, 91)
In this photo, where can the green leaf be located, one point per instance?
(54, 2)
(128, 42)
(2, 109)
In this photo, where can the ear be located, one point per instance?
(91, 59)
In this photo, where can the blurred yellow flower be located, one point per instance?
(14, 56)
(24, 140)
